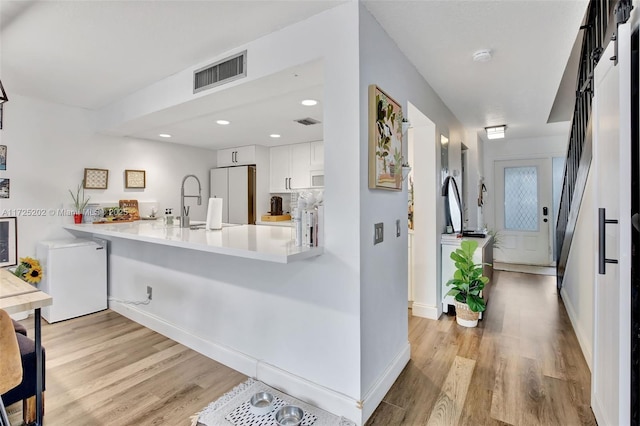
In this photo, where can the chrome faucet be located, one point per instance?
(184, 212)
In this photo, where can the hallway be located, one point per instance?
(521, 366)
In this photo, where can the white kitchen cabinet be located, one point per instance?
(317, 155)
(290, 167)
(239, 156)
(483, 254)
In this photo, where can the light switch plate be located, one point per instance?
(397, 228)
(378, 233)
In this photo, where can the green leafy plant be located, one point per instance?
(467, 281)
(79, 202)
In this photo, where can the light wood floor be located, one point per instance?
(521, 366)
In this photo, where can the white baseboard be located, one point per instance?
(585, 344)
(300, 388)
(310, 392)
(225, 355)
(425, 311)
(374, 395)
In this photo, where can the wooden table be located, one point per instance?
(19, 296)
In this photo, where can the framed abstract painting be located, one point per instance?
(385, 141)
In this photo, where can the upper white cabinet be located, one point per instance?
(240, 156)
(290, 167)
(317, 155)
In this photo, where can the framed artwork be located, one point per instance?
(134, 179)
(385, 141)
(3, 157)
(8, 241)
(96, 178)
(4, 188)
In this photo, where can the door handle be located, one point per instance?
(545, 211)
(602, 222)
(289, 183)
(285, 183)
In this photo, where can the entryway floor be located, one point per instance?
(527, 269)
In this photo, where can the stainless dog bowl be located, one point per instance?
(289, 415)
(261, 403)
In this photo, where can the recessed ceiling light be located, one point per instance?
(274, 135)
(309, 102)
(223, 122)
(164, 135)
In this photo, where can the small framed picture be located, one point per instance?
(96, 178)
(134, 179)
(4, 188)
(3, 157)
(8, 241)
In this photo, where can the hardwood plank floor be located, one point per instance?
(521, 366)
(529, 369)
(103, 369)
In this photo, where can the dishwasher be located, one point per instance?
(75, 275)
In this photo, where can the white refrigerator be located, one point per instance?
(236, 187)
(75, 275)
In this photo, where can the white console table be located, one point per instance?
(483, 254)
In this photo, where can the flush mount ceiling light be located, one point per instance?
(496, 132)
(164, 135)
(483, 55)
(309, 102)
(274, 135)
(223, 122)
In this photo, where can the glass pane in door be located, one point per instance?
(521, 198)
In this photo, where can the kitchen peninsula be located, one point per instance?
(271, 244)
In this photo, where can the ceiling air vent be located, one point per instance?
(307, 121)
(225, 71)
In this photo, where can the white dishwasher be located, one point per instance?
(75, 275)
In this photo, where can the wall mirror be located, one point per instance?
(453, 204)
(444, 157)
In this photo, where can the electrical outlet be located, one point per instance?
(378, 233)
(149, 292)
(397, 228)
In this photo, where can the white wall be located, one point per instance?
(578, 284)
(248, 306)
(384, 266)
(49, 146)
(474, 159)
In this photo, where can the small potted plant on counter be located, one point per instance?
(467, 284)
(79, 202)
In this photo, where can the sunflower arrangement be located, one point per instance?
(29, 270)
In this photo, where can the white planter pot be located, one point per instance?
(464, 316)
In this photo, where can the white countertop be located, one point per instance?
(268, 243)
(288, 223)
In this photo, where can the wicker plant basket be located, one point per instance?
(465, 316)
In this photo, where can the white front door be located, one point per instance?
(523, 211)
(610, 393)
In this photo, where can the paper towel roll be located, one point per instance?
(214, 214)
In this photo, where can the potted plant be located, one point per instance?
(79, 202)
(467, 284)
